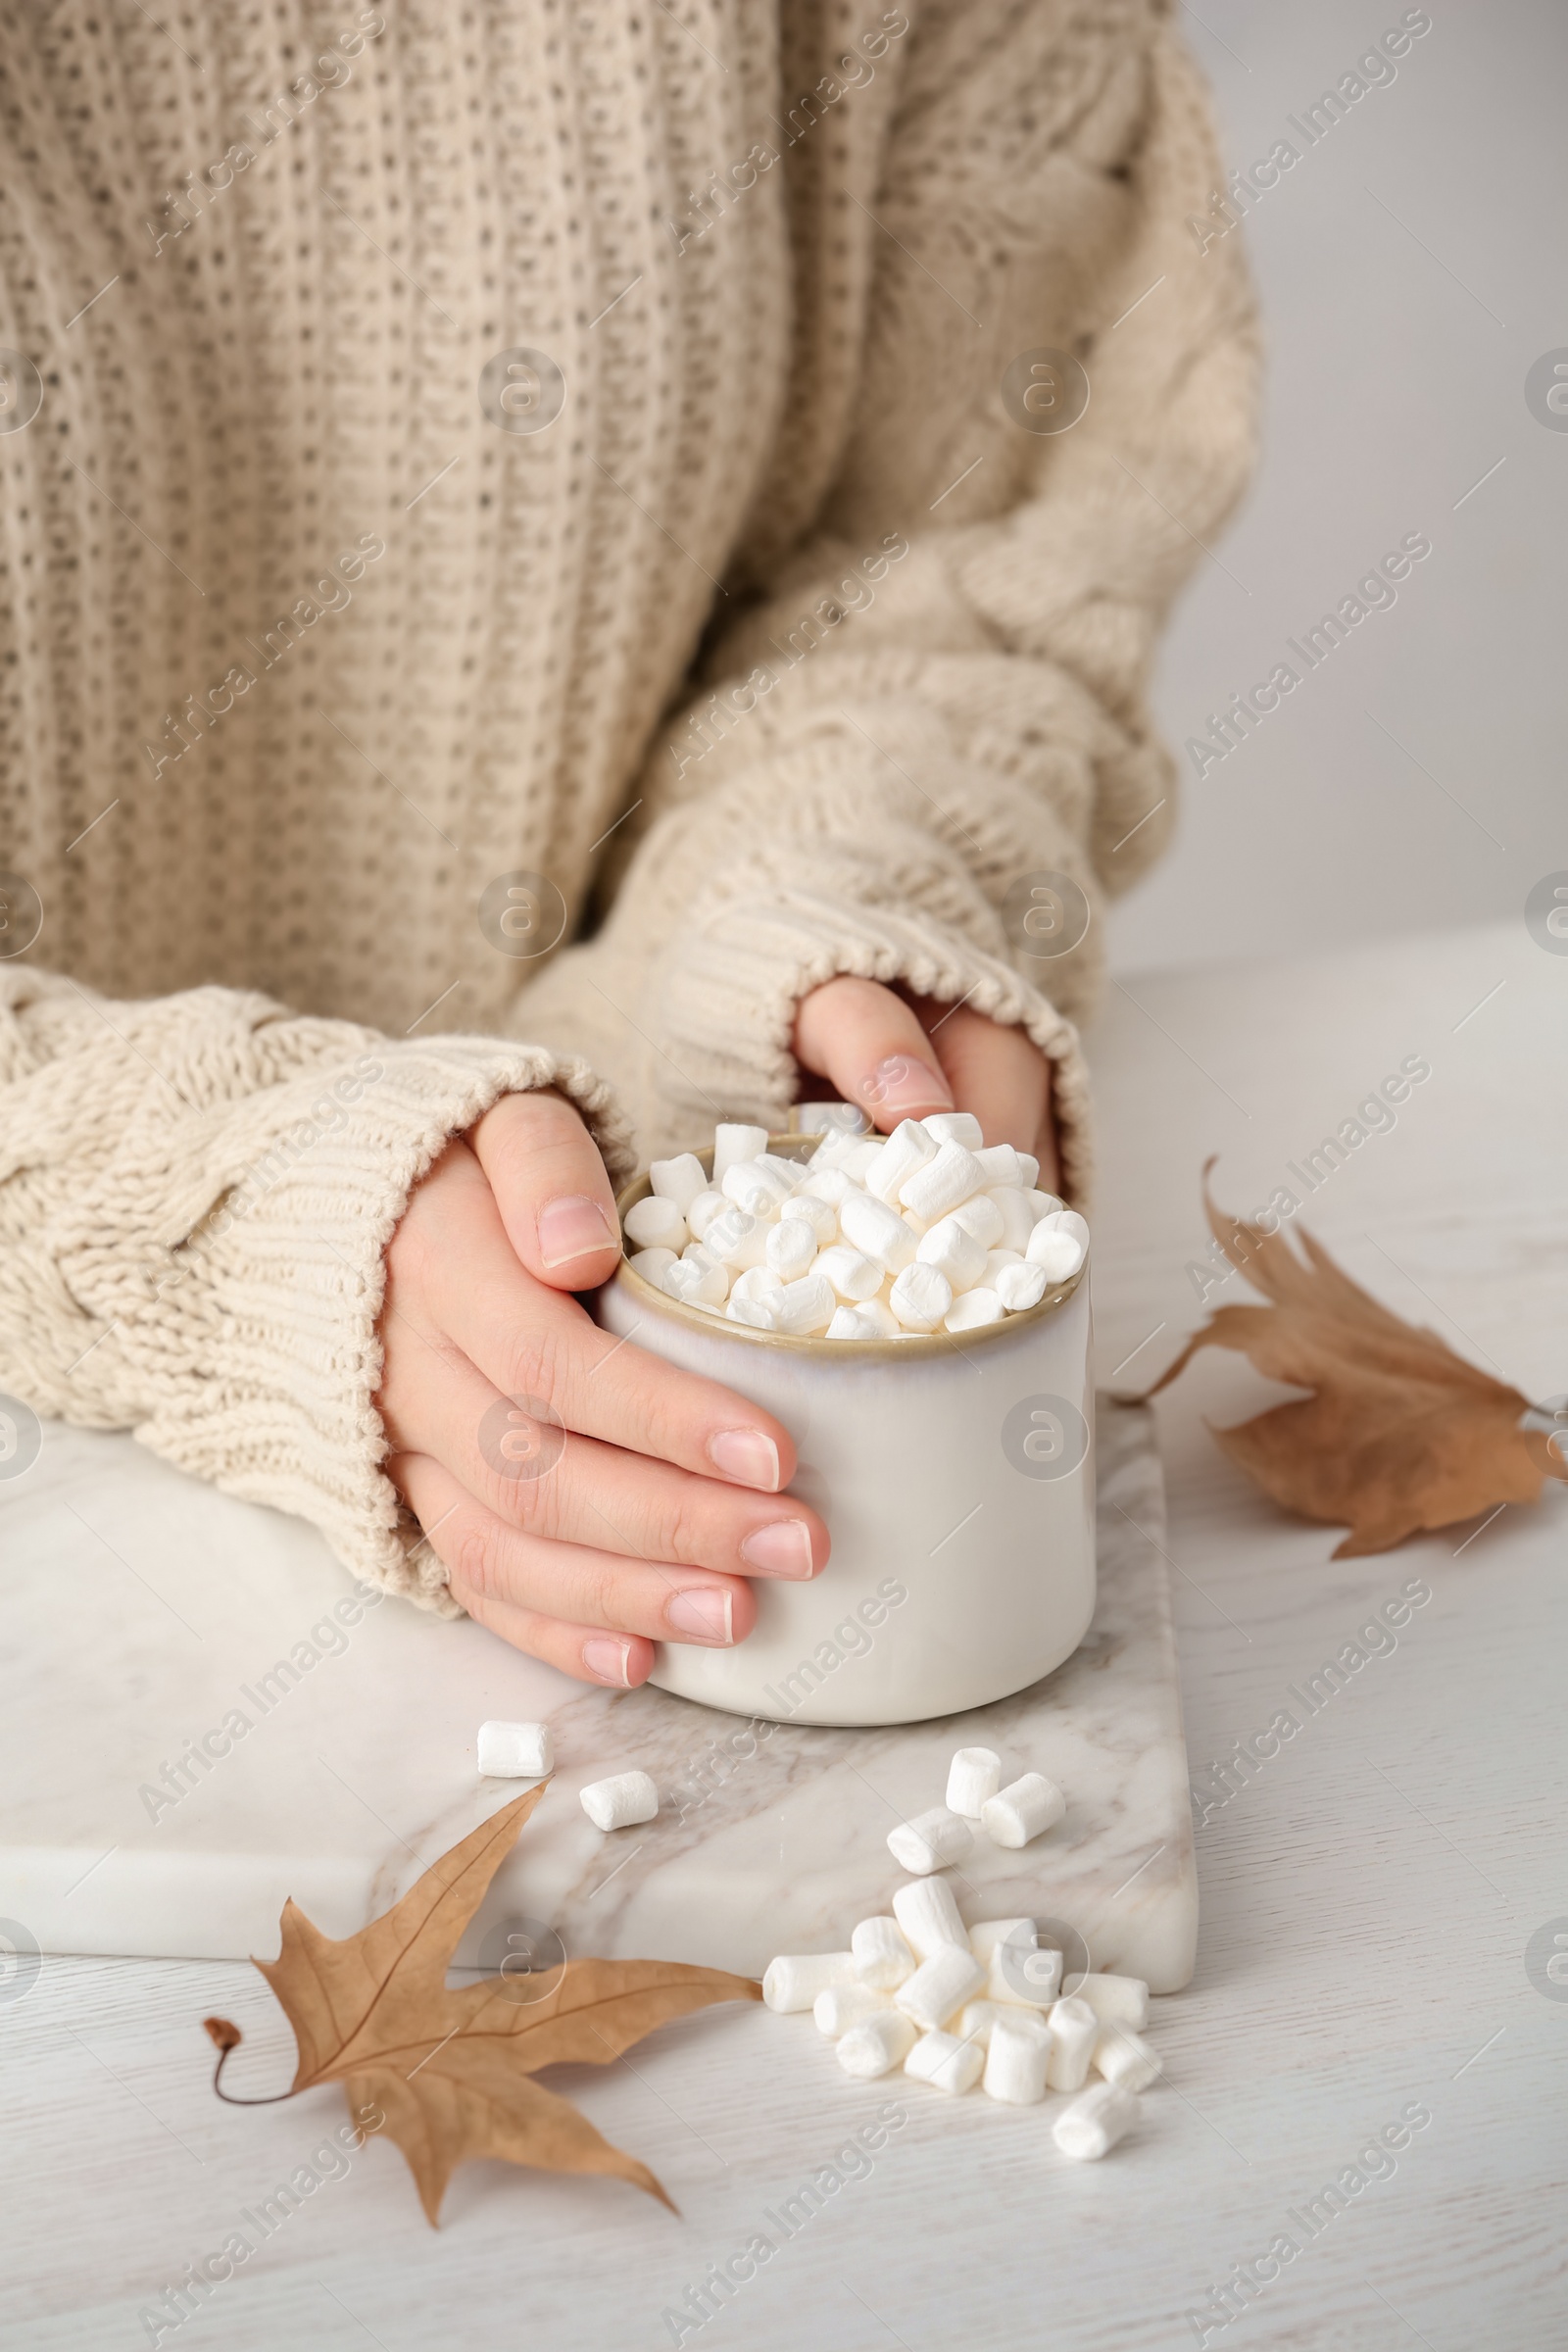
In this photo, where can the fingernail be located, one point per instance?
(901, 1084)
(748, 1455)
(783, 1547)
(571, 1227)
(706, 1611)
(609, 1660)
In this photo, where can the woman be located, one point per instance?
(475, 475)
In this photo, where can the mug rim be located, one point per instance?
(920, 1344)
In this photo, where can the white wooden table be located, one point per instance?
(1369, 1894)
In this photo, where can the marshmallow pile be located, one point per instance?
(954, 2005)
(872, 1237)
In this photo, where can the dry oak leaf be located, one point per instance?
(1400, 1434)
(452, 2070)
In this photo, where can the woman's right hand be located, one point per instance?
(635, 1511)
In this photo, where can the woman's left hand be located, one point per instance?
(901, 1057)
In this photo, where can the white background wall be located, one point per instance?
(1412, 267)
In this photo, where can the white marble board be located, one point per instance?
(138, 1608)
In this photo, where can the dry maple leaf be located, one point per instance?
(1399, 1432)
(452, 2070)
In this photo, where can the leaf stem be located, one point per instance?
(229, 2097)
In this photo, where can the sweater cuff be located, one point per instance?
(732, 986)
(250, 1345)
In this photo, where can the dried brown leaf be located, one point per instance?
(451, 2069)
(1399, 1434)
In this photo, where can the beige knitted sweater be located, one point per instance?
(744, 616)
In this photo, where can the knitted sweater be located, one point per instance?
(521, 554)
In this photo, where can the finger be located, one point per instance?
(996, 1071)
(535, 1473)
(550, 1188)
(868, 1043)
(571, 1584)
(457, 1279)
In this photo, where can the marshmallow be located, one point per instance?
(955, 1252)
(955, 1127)
(973, 1311)
(758, 1282)
(907, 1149)
(974, 1773)
(928, 1914)
(698, 1277)
(757, 1310)
(805, 1307)
(837, 2007)
(1017, 2055)
(733, 1143)
(818, 1217)
(655, 1224)
(861, 1158)
(1028, 1170)
(759, 1190)
(1043, 1205)
(940, 1986)
(792, 1172)
(653, 1264)
(878, 1231)
(1074, 2031)
(977, 2019)
(947, 2063)
(882, 1957)
(877, 2045)
(1023, 1811)
(1057, 1255)
(920, 1298)
(1017, 1218)
(852, 1274)
(795, 1978)
(1115, 2000)
(887, 1326)
(1020, 1286)
(1000, 1165)
(943, 1183)
(852, 1323)
(791, 1248)
(680, 1179)
(981, 1216)
(736, 1239)
(1127, 2059)
(702, 1212)
(626, 1797)
(1022, 1972)
(515, 1751)
(1093, 2124)
(930, 1842)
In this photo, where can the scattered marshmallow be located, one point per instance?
(736, 1239)
(974, 1775)
(1092, 2126)
(1017, 2054)
(812, 1210)
(955, 1127)
(928, 1914)
(1115, 2000)
(1023, 1811)
(878, 1231)
(1017, 1218)
(795, 1978)
(615, 1803)
(955, 1252)
(940, 1986)
(515, 1751)
(1127, 2059)
(876, 2046)
(1074, 2032)
(907, 1149)
(920, 1298)
(733, 1143)
(980, 1216)
(930, 1842)
(698, 1277)
(882, 1956)
(807, 1307)
(942, 1183)
(976, 2021)
(948, 2062)
(854, 1323)
(973, 1311)
(680, 1179)
(837, 2007)
(1020, 1286)
(653, 1265)
(702, 1212)
(853, 1275)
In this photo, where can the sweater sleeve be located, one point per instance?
(195, 1196)
(933, 702)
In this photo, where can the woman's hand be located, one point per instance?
(899, 1057)
(637, 1506)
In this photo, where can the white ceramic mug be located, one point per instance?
(956, 1477)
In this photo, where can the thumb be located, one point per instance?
(552, 1188)
(868, 1043)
